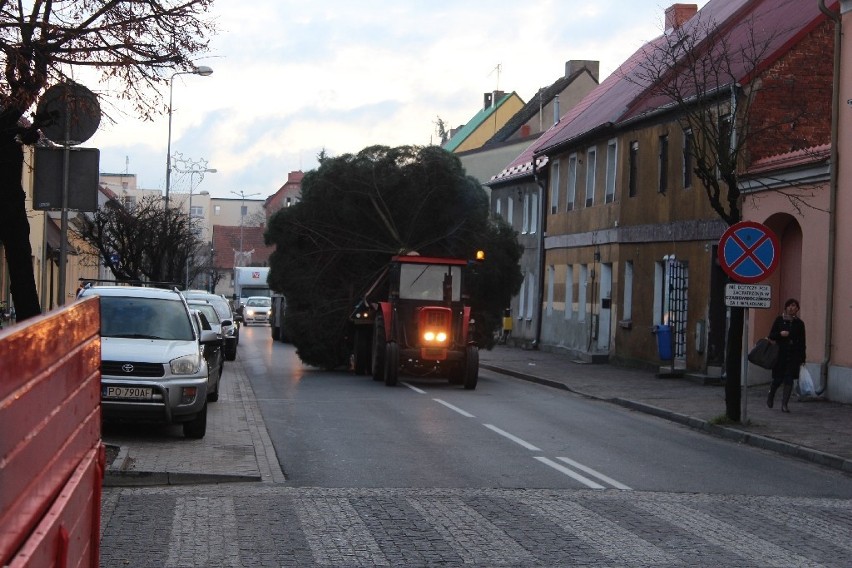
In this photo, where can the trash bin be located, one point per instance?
(664, 341)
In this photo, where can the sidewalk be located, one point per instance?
(817, 431)
(237, 446)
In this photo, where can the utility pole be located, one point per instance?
(243, 196)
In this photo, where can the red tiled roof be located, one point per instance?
(627, 92)
(793, 159)
(226, 243)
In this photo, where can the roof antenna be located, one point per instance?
(498, 69)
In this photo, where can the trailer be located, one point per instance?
(415, 319)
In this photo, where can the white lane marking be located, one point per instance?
(455, 408)
(570, 473)
(594, 473)
(515, 439)
(415, 389)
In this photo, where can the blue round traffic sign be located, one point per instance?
(749, 252)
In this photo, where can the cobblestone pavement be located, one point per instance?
(272, 525)
(185, 516)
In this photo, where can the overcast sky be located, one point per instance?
(292, 78)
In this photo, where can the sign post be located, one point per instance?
(748, 253)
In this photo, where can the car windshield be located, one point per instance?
(259, 302)
(426, 282)
(208, 310)
(145, 318)
(219, 303)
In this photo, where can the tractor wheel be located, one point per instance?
(471, 367)
(362, 351)
(378, 350)
(391, 363)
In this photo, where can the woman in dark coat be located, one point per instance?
(788, 331)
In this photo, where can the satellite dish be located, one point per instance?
(74, 111)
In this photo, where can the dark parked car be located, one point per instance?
(230, 324)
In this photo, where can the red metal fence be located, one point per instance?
(51, 455)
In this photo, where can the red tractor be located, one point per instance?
(415, 319)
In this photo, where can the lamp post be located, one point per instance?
(202, 70)
(192, 173)
(243, 196)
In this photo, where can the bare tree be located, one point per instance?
(130, 243)
(731, 110)
(132, 42)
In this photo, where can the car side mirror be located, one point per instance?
(226, 323)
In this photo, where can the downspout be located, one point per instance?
(541, 260)
(832, 207)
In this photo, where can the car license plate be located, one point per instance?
(127, 393)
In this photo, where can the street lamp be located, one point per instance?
(202, 70)
(243, 196)
(192, 173)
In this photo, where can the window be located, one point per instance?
(510, 210)
(530, 295)
(664, 163)
(634, 169)
(591, 165)
(534, 213)
(581, 292)
(572, 182)
(129, 202)
(554, 188)
(522, 297)
(569, 291)
(217, 210)
(688, 149)
(526, 220)
(725, 136)
(628, 290)
(550, 276)
(611, 155)
(196, 211)
(243, 210)
(499, 209)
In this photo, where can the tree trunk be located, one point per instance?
(733, 362)
(14, 226)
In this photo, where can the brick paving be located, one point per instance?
(177, 512)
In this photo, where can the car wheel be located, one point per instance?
(197, 427)
(213, 395)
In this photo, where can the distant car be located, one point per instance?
(152, 362)
(214, 353)
(230, 328)
(257, 309)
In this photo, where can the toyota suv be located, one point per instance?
(152, 360)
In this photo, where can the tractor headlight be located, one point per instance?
(435, 337)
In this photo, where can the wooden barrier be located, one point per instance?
(51, 455)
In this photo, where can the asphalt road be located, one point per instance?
(338, 430)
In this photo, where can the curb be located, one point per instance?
(152, 478)
(772, 444)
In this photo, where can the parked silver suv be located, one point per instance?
(152, 362)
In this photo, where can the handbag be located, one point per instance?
(764, 353)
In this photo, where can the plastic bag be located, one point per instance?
(806, 383)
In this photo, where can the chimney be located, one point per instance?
(679, 14)
(492, 98)
(593, 67)
(488, 100)
(556, 109)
